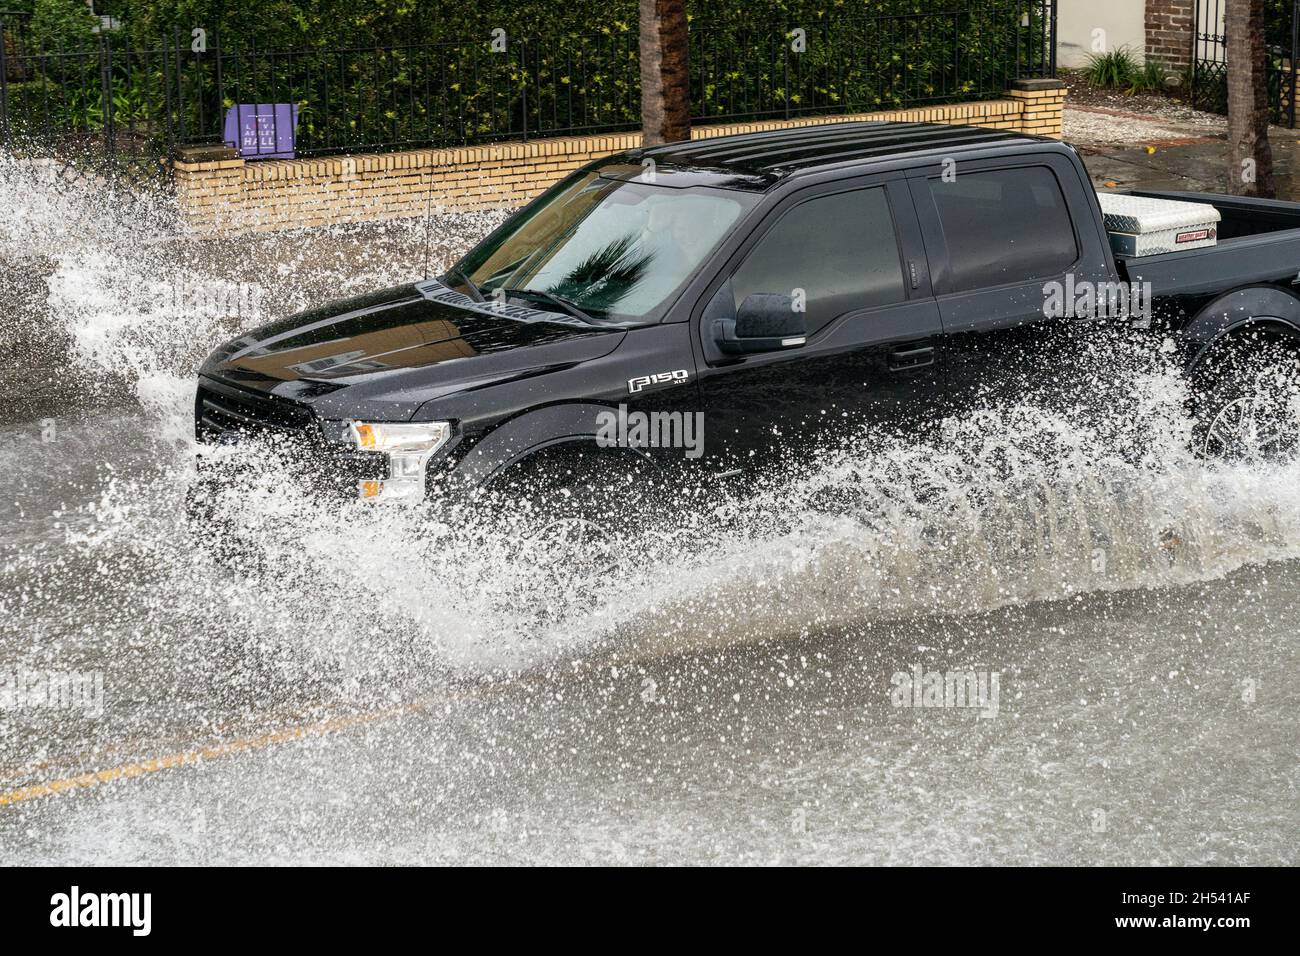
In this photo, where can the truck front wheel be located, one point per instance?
(577, 515)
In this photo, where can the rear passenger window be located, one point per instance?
(1005, 225)
(839, 249)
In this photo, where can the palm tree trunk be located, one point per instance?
(1250, 158)
(665, 80)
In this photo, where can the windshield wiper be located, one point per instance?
(568, 305)
(474, 292)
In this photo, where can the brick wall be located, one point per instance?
(1041, 107)
(218, 194)
(1169, 31)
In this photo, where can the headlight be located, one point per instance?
(409, 446)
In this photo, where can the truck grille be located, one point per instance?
(224, 414)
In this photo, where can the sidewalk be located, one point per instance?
(1183, 152)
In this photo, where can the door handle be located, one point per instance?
(911, 358)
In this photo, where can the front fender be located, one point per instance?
(528, 434)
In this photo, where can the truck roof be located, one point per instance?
(756, 161)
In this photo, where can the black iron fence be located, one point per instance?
(133, 106)
(1209, 69)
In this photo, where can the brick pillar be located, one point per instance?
(1169, 31)
(209, 186)
(1042, 103)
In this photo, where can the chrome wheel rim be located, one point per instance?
(1253, 428)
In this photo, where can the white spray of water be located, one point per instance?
(1010, 504)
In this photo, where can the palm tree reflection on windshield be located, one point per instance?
(606, 276)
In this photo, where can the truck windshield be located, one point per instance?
(614, 248)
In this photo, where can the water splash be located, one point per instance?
(1010, 503)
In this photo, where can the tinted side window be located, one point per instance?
(840, 249)
(1005, 225)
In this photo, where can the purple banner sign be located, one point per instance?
(262, 130)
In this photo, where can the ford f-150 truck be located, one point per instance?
(776, 288)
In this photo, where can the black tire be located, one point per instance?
(1247, 402)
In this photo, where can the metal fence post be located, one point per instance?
(168, 118)
(523, 57)
(1291, 64)
(1052, 42)
(785, 66)
(4, 89)
(1020, 59)
(106, 106)
(215, 49)
(180, 84)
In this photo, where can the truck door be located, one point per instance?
(851, 252)
(998, 234)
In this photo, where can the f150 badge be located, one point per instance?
(678, 377)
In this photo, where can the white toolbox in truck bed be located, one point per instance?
(1142, 226)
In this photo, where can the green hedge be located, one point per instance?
(396, 73)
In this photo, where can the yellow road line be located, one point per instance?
(134, 747)
(198, 755)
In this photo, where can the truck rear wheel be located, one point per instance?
(1247, 404)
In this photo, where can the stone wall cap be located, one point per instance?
(1026, 86)
(210, 153)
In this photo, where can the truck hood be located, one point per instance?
(384, 354)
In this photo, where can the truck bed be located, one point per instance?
(1259, 241)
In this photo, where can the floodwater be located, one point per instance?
(419, 687)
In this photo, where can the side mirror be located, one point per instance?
(765, 322)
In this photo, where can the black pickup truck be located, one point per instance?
(711, 305)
